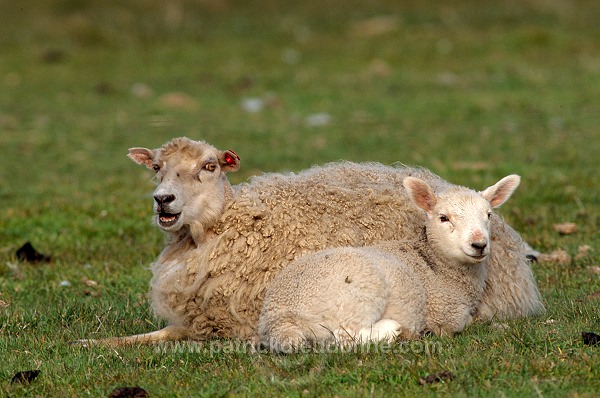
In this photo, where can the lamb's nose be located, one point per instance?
(164, 199)
(479, 246)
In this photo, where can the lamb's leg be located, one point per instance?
(407, 305)
(382, 330)
(169, 333)
(284, 338)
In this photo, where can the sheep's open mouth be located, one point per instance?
(479, 258)
(168, 219)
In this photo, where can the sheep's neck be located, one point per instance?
(177, 242)
(227, 193)
(192, 237)
(212, 231)
(199, 233)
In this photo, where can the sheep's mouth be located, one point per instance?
(166, 220)
(480, 257)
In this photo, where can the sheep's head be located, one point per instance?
(458, 220)
(192, 186)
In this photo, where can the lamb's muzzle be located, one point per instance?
(480, 247)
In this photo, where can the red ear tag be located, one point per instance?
(230, 159)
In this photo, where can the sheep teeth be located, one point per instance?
(167, 219)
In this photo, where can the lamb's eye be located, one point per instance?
(210, 167)
(489, 215)
(444, 218)
(155, 167)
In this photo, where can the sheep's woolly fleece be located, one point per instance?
(217, 288)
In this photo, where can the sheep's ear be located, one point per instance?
(141, 156)
(229, 160)
(420, 193)
(499, 193)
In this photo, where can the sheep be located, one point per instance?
(392, 289)
(225, 244)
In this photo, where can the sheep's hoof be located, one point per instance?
(86, 343)
(531, 258)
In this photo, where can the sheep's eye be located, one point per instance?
(489, 215)
(444, 218)
(210, 167)
(155, 167)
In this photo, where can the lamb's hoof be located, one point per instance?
(285, 345)
(282, 347)
(283, 340)
(386, 330)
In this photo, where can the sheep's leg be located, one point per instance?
(169, 333)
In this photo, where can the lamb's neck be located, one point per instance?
(472, 275)
(462, 274)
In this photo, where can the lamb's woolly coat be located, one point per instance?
(215, 286)
(341, 295)
(338, 294)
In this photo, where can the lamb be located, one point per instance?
(225, 244)
(392, 289)
(342, 295)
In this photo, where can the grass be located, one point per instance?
(473, 91)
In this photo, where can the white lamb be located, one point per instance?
(394, 288)
(225, 244)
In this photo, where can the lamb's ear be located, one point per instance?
(229, 160)
(499, 193)
(141, 156)
(420, 193)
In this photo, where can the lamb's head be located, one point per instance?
(458, 220)
(192, 186)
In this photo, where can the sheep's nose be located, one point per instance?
(164, 199)
(479, 246)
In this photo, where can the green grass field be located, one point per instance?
(473, 90)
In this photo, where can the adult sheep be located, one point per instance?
(353, 295)
(225, 244)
